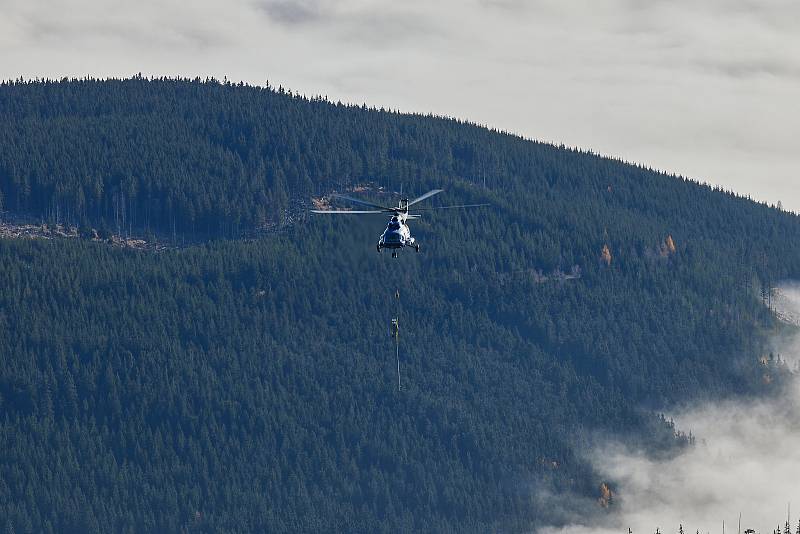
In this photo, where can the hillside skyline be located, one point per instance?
(670, 86)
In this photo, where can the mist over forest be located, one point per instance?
(744, 461)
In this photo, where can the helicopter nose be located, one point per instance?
(393, 237)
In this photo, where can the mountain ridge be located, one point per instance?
(248, 385)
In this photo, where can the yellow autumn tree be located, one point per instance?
(605, 495)
(670, 244)
(605, 255)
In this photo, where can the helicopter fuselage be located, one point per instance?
(397, 235)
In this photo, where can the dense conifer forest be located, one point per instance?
(244, 380)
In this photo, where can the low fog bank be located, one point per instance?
(786, 303)
(746, 460)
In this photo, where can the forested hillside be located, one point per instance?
(248, 385)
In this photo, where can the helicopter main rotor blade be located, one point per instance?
(426, 195)
(349, 212)
(453, 207)
(363, 203)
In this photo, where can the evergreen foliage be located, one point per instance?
(248, 385)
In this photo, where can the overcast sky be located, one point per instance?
(704, 89)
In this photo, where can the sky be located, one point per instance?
(705, 89)
(745, 460)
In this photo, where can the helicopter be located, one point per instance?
(397, 234)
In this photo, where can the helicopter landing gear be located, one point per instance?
(394, 254)
(416, 247)
(378, 246)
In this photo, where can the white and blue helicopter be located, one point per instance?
(397, 234)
